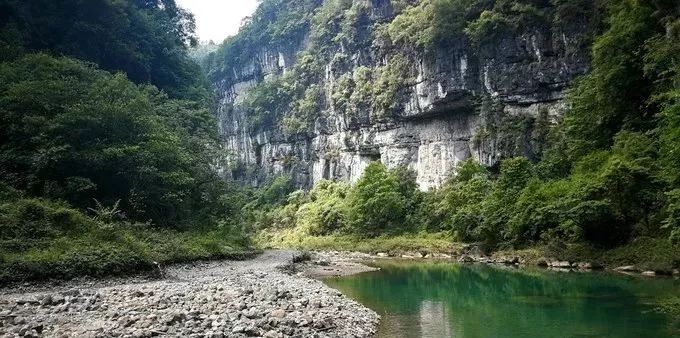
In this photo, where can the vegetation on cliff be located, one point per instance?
(604, 176)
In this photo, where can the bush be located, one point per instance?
(465, 199)
(303, 256)
(38, 219)
(383, 201)
(326, 212)
(377, 204)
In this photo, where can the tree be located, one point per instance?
(146, 39)
(613, 95)
(376, 204)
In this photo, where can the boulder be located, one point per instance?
(560, 264)
(271, 334)
(508, 260)
(627, 268)
(239, 328)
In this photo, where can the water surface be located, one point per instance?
(477, 301)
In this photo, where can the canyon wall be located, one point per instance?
(443, 115)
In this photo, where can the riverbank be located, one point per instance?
(650, 256)
(435, 243)
(213, 299)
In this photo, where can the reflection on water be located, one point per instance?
(434, 320)
(434, 300)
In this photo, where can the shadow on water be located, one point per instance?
(469, 301)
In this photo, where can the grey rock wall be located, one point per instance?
(437, 127)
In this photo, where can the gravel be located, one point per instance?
(216, 299)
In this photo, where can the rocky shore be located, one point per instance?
(339, 263)
(254, 298)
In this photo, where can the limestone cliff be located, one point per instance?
(458, 100)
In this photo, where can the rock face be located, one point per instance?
(440, 120)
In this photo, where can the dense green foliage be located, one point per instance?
(41, 238)
(75, 133)
(101, 172)
(146, 39)
(381, 203)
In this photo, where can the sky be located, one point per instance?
(218, 19)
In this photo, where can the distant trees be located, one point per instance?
(146, 39)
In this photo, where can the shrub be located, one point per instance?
(376, 204)
(326, 212)
(39, 219)
(465, 197)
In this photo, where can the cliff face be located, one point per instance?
(463, 100)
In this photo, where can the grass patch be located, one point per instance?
(655, 254)
(43, 239)
(114, 252)
(423, 242)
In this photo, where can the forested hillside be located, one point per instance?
(590, 167)
(108, 147)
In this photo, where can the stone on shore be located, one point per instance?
(627, 268)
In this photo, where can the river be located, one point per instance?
(440, 299)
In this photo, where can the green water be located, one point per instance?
(476, 301)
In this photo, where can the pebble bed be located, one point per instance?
(218, 299)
